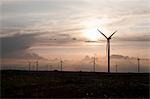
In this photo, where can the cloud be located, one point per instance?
(62, 15)
(61, 23)
(32, 56)
(115, 56)
(17, 46)
(59, 39)
(134, 38)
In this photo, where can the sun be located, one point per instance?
(90, 31)
(91, 34)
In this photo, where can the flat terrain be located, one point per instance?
(47, 84)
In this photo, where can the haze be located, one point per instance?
(49, 29)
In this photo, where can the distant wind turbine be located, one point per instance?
(139, 63)
(61, 64)
(116, 68)
(138, 59)
(94, 63)
(108, 47)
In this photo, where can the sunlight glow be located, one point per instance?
(91, 34)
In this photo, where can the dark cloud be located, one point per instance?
(17, 46)
(74, 38)
(91, 41)
(17, 42)
(72, 29)
(32, 56)
(135, 38)
(60, 39)
(115, 56)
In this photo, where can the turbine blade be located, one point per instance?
(102, 33)
(112, 34)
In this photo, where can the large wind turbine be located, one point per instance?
(108, 47)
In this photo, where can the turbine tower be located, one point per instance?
(116, 68)
(108, 47)
(138, 59)
(94, 63)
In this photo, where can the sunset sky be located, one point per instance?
(50, 29)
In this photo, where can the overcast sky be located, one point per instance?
(60, 28)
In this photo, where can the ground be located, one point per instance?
(55, 84)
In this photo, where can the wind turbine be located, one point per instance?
(94, 63)
(108, 47)
(116, 68)
(61, 64)
(138, 59)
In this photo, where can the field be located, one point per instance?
(55, 84)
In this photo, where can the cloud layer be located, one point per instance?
(17, 46)
(31, 28)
